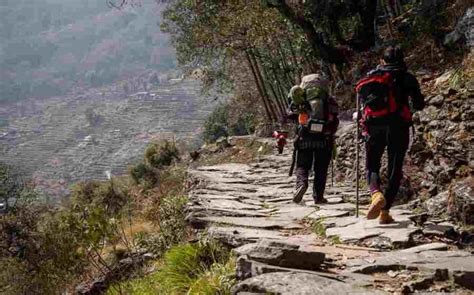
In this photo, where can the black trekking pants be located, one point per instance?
(396, 139)
(318, 157)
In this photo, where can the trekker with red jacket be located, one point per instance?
(387, 96)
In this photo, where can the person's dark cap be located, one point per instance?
(393, 55)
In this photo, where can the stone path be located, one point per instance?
(287, 248)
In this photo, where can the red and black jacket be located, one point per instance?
(406, 89)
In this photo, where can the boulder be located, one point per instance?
(460, 201)
(296, 283)
(282, 254)
(238, 236)
(443, 78)
(464, 30)
(426, 247)
(437, 100)
(247, 268)
(458, 264)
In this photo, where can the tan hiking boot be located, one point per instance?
(385, 217)
(378, 202)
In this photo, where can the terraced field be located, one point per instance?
(56, 142)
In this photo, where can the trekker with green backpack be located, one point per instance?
(317, 115)
(386, 98)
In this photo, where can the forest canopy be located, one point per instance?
(275, 42)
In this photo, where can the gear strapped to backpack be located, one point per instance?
(376, 94)
(315, 88)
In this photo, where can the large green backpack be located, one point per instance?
(317, 94)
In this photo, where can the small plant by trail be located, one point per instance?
(318, 227)
(157, 156)
(161, 154)
(202, 268)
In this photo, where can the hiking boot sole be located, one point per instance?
(299, 194)
(385, 218)
(321, 201)
(386, 221)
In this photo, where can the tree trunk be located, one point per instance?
(264, 89)
(324, 51)
(281, 92)
(367, 10)
(286, 67)
(259, 88)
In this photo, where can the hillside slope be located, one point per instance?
(65, 139)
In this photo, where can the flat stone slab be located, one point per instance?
(460, 264)
(205, 211)
(230, 204)
(229, 168)
(296, 283)
(357, 230)
(294, 211)
(238, 236)
(247, 268)
(341, 207)
(327, 213)
(451, 260)
(205, 195)
(426, 247)
(397, 233)
(256, 222)
(339, 222)
(285, 199)
(231, 189)
(281, 254)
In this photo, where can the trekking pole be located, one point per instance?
(332, 172)
(357, 157)
(333, 158)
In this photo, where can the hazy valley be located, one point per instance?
(64, 139)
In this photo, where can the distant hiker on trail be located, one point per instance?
(386, 97)
(317, 115)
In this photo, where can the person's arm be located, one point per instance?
(292, 112)
(414, 92)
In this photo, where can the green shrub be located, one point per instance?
(161, 154)
(11, 184)
(244, 125)
(166, 211)
(194, 268)
(318, 227)
(38, 252)
(221, 123)
(202, 268)
(216, 124)
(157, 156)
(169, 217)
(144, 175)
